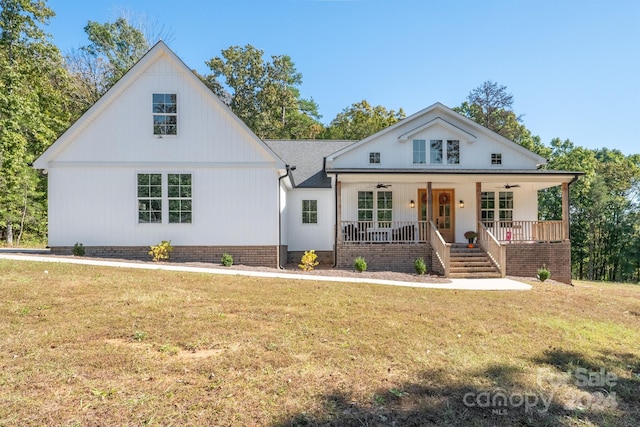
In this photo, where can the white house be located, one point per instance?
(160, 157)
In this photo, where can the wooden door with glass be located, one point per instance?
(444, 213)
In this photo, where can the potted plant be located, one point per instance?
(470, 236)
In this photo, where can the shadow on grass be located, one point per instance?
(501, 395)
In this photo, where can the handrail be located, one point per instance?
(493, 248)
(441, 248)
(526, 231)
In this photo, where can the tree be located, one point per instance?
(491, 106)
(361, 120)
(264, 95)
(33, 111)
(113, 49)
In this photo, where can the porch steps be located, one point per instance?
(471, 263)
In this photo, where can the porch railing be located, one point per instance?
(384, 231)
(493, 248)
(418, 231)
(441, 248)
(526, 231)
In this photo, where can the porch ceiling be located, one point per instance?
(538, 179)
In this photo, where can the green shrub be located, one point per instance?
(226, 260)
(78, 249)
(161, 251)
(360, 264)
(308, 260)
(543, 273)
(420, 266)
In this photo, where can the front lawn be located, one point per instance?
(84, 345)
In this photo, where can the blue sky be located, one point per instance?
(573, 66)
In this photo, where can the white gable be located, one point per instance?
(119, 127)
(395, 145)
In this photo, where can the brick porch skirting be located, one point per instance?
(265, 256)
(384, 256)
(524, 259)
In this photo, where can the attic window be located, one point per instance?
(165, 114)
(374, 158)
(496, 158)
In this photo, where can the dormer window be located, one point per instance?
(165, 114)
(374, 158)
(496, 158)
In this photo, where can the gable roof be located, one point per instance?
(308, 158)
(446, 112)
(159, 50)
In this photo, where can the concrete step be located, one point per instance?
(475, 275)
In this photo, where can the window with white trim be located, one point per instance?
(435, 151)
(419, 151)
(374, 158)
(496, 158)
(379, 209)
(179, 197)
(174, 200)
(385, 209)
(309, 211)
(165, 114)
(149, 198)
(453, 152)
(503, 210)
(505, 207)
(365, 205)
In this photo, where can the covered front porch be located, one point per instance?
(394, 219)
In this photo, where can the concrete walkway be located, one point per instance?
(457, 284)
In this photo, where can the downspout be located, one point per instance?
(335, 229)
(288, 169)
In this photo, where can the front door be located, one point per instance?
(444, 213)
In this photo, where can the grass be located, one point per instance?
(83, 345)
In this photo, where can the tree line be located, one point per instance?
(42, 92)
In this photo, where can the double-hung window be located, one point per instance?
(379, 209)
(385, 209)
(149, 198)
(490, 210)
(505, 208)
(309, 211)
(173, 197)
(179, 195)
(165, 114)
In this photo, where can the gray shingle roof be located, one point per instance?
(308, 158)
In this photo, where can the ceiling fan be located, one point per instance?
(508, 186)
(380, 185)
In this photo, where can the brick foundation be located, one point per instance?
(524, 259)
(379, 257)
(266, 256)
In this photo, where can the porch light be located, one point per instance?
(412, 204)
(461, 204)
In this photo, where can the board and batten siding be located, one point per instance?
(304, 237)
(476, 146)
(525, 202)
(98, 206)
(93, 167)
